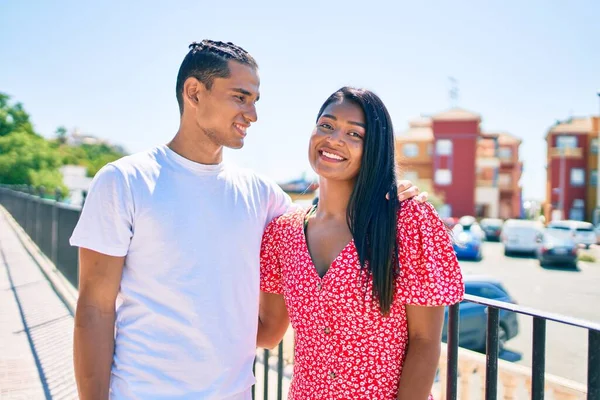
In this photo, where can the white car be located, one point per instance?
(521, 236)
(582, 232)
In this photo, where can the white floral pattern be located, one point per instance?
(345, 348)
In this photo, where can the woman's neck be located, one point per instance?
(334, 197)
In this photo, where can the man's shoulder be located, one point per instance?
(141, 161)
(252, 178)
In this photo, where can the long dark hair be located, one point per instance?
(372, 218)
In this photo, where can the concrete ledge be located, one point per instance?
(63, 288)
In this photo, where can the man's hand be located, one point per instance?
(406, 190)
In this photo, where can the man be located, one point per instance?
(172, 235)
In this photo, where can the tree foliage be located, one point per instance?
(27, 158)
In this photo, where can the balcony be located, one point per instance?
(567, 152)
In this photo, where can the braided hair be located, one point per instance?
(208, 60)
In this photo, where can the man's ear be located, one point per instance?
(192, 91)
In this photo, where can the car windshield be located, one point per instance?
(558, 235)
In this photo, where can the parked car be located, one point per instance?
(467, 242)
(492, 227)
(557, 246)
(472, 325)
(583, 232)
(521, 236)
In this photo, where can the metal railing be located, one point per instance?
(538, 368)
(50, 223)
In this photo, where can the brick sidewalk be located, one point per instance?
(36, 328)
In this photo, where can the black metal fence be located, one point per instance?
(48, 222)
(538, 368)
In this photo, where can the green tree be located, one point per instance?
(61, 134)
(13, 117)
(29, 159)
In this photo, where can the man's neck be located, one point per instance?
(196, 146)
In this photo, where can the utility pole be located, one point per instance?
(561, 183)
(453, 93)
(596, 216)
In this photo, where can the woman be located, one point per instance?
(363, 279)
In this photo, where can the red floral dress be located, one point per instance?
(345, 348)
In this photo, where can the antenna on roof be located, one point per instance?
(453, 92)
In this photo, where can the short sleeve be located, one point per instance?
(270, 265)
(279, 202)
(106, 221)
(429, 271)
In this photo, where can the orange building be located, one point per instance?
(476, 173)
(572, 169)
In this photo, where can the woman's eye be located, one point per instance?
(325, 125)
(356, 135)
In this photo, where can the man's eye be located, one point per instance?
(240, 98)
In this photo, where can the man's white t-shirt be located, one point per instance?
(187, 309)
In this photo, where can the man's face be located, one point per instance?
(225, 111)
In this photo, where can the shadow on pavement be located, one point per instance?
(560, 267)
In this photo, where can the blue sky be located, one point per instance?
(110, 68)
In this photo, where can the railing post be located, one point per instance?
(491, 366)
(266, 373)
(54, 255)
(538, 365)
(280, 371)
(593, 378)
(452, 353)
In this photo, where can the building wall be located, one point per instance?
(460, 193)
(421, 164)
(575, 158)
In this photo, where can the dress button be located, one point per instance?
(332, 375)
(327, 330)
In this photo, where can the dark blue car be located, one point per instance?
(473, 317)
(467, 240)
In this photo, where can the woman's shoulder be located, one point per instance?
(290, 219)
(413, 210)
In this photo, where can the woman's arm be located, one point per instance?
(422, 357)
(273, 320)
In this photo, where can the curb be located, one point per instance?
(63, 288)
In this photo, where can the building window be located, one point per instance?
(594, 177)
(594, 146)
(504, 180)
(577, 177)
(410, 150)
(505, 153)
(443, 147)
(429, 149)
(443, 177)
(566, 142)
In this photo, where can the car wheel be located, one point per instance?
(506, 253)
(587, 246)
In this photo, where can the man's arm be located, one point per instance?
(423, 354)
(93, 348)
(273, 320)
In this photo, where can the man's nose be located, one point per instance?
(250, 113)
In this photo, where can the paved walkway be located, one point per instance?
(36, 328)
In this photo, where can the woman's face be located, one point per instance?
(336, 144)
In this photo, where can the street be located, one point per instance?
(568, 292)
